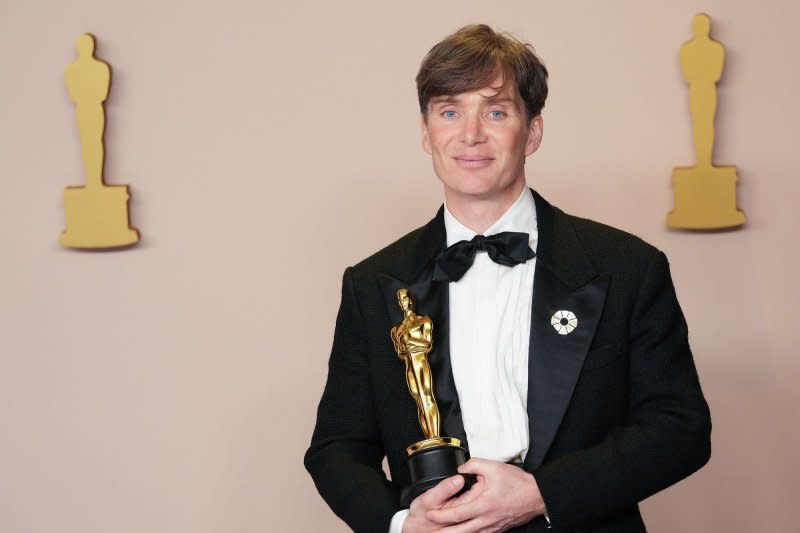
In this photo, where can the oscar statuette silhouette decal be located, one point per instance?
(97, 214)
(705, 195)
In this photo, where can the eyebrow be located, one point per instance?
(445, 99)
(451, 99)
(503, 100)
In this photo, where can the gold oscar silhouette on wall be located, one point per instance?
(97, 214)
(705, 195)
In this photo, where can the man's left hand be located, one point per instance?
(503, 497)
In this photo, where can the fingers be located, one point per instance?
(435, 497)
(467, 510)
(467, 506)
(503, 496)
(470, 526)
(477, 466)
(468, 495)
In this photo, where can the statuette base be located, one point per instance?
(705, 198)
(431, 463)
(97, 217)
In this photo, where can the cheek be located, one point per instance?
(439, 150)
(439, 138)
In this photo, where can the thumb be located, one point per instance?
(475, 466)
(435, 497)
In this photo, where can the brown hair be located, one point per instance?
(471, 59)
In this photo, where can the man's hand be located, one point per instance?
(503, 497)
(436, 498)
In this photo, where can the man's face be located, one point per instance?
(478, 141)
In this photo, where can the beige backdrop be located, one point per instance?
(173, 387)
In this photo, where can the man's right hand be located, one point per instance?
(438, 497)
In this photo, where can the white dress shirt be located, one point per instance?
(490, 326)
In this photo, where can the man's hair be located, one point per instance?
(472, 58)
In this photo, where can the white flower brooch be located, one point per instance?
(564, 322)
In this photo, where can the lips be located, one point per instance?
(473, 161)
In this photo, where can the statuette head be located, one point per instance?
(701, 25)
(85, 45)
(403, 298)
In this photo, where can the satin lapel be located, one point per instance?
(565, 280)
(432, 299)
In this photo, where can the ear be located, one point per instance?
(534, 135)
(426, 142)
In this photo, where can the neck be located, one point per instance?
(479, 214)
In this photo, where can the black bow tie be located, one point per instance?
(508, 248)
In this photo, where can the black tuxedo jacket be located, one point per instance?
(615, 407)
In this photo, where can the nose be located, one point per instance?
(472, 132)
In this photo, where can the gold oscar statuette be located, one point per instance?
(436, 457)
(97, 214)
(705, 195)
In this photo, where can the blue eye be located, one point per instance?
(449, 114)
(496, 114)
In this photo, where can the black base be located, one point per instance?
(429, 466)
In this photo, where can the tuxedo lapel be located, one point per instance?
(565, 280)
(431, 298)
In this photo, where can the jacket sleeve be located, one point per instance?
(346, 451)
(666, 435)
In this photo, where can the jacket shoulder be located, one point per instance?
(404, 257)
(391, 254)
(611, 248)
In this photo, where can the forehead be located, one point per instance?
(497, 91)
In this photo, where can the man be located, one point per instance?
(566, 372)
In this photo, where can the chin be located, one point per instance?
(477, 189)
(475, 194)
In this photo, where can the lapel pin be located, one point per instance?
(564, 322)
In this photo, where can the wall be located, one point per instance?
(172, 387)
